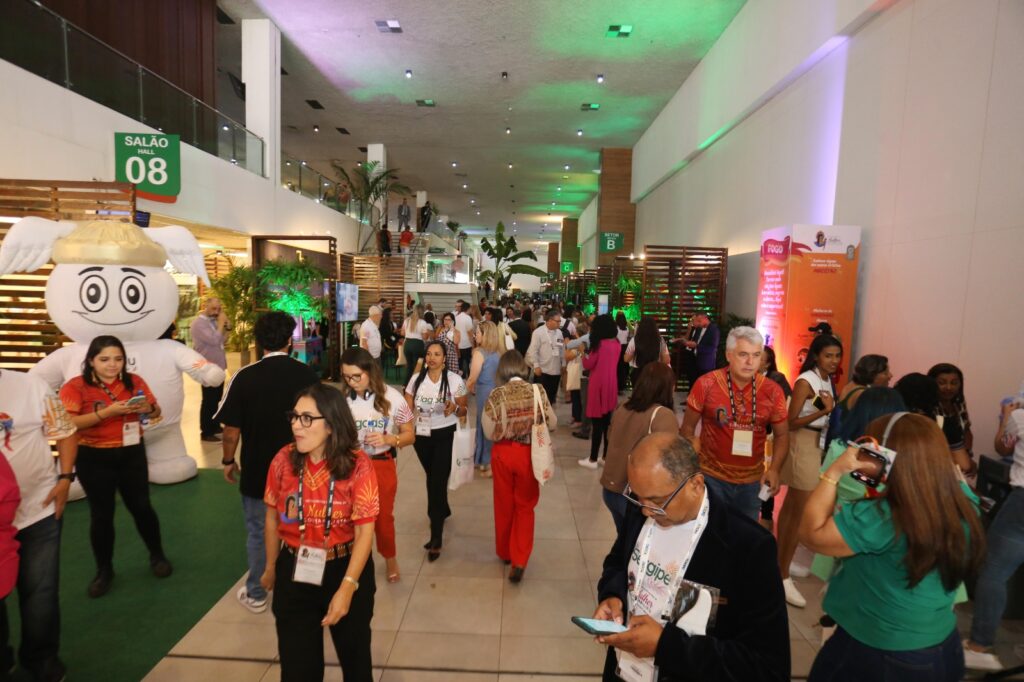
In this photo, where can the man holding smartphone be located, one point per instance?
(735, 406)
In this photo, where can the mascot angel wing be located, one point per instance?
(109, 278)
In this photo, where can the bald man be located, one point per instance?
(695, 581)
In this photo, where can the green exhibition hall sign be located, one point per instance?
(566, 266)
(152, 162)
(611, 241)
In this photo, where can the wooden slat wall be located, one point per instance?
(633, 269)
(377, 277)
(67, 200)
(615, 211)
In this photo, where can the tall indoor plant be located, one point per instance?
(370, 185)
(238, 292)
(286, 287)
(505, 253)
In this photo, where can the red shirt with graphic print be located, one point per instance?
(356, 499)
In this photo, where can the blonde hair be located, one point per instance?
(491, 340)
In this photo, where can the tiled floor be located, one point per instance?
(459, 619)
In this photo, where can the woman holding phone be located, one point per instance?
(107, 405)
(438, 400)
(813, 400)
(449, 337)
(322, 502)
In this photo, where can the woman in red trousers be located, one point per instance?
(510, 412)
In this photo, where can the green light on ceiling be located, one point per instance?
(618, 31)
(590, 106)
(425, 103)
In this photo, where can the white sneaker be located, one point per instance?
(980, 660)
(254, 605)
(586, 463)
(799, 570)
(793, 596)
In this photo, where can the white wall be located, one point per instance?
(526, 283)
(911, 129)
(48, 132)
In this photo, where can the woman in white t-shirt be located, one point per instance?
(385, 424)
(438, 399)
(416, 331)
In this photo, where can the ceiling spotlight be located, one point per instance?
(559, 188)
(504, 75)
(316, 129)
(508, 131)
(478, 212)
(408, 73)
(600, 78)
(579, 132)
(510, 165)
(225, 127)
(472, 201)
(513, 223)
(552, 203)
(455, 164)
(465, 186)
(566, 166)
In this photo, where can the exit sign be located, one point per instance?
(611, 241)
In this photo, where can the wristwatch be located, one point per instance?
(67, 477)
(227, 462)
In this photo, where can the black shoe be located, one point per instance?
(100, 585)
(580, 434)
(433, 554)
(210, 438)
(516, 574)
(160, 566)
(507, 561)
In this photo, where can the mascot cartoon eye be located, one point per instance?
(93, 293)
(133, 294)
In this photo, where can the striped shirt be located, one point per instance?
(509, 412)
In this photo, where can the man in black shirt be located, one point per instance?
(521, 326)
(254, 406)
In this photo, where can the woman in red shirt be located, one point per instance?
(322, 502)
(107, 406)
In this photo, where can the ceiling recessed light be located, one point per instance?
(303, 163)
(315, 104)
(343, 131)
(579, 132)
(478, 212)
(316, 129)
(552, 203)
(408, 73)
(472, 201)
(388, 26)
(600, 78)
(425, 103)
(465, 186)
(618, 31)
(510, 165)
(590, 106)
(287, 163)
(565, 177)
(504, 75)
(559, 188)
(455, 164)
(566, 166)
(225, 127)
(508, 131)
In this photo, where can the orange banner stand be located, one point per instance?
(808, 276)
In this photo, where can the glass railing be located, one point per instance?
(37, 40)
(300, 178)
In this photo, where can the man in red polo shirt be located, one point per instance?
(735, 405)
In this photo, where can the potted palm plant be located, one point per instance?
(238, 291)
(369, 185)
(505, 253)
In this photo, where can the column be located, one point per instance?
(261, 73)
(616, 214)
(553, 258)
(570, 248)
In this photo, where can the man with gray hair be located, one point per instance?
(209, 331)
(369, 332)
(696, 582)
(546, 353)
(736, 406)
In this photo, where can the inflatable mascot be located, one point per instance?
(110, 279)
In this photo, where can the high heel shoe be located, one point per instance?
(433, 554)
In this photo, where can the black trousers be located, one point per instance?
(550, 383)
(465, 358)
(414, 349)
(435, 455)
(298, 609)
(623, 368)
(104, 471)
(208, 408)
(599, 431)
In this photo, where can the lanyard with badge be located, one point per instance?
(311, 561)
(130, 432)
(634, 669)
(742, 438)
(423, 414)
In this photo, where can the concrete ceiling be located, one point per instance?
(457, 50)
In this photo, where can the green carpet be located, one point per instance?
(122, 635)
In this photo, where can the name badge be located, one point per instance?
(131, 434)
(823, 435)
(743, 443)
(633, 669)
(423, 423)
(310, 563)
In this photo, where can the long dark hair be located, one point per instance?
(920, 393)
(445, 391)
(96, 346)
(947, 368)
(929, 507)
(655, 385)
(620, 321)
(818, 345)
(343, 438)
(603, 327)
(646, 342)
(361, 358)
(873, 403)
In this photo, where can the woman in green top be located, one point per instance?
(904, 554)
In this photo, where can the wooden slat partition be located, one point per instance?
(377, 277)
(27, 334)
(67, 199)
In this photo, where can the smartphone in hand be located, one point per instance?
(594, 626)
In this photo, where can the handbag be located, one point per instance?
(542, 455)
(510, 343)
(401, 362)
(462, 457)
(574, 374)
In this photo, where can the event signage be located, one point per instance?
(152, 162)
(808, 276)
(611, 241)
(566, 266)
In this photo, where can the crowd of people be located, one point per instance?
(875, 481)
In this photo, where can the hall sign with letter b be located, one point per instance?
(152, 162)
(611, 241)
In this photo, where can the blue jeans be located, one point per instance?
(482, 446)
(741, 496)
(1005, 555)
(617, 505)
(255, 520)
(845, 659)
(38, 599)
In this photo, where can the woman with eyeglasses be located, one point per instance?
(322, 502)
(903, 555)
(449, 337)
(438, 400)
(108, 406)
(385, 423)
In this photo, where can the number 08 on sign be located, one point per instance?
(152, 162)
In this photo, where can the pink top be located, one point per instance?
(10, 496)
(603, 385)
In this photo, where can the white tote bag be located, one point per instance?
(574, 374)
(462, 457)
(542, 455)
(510, 343)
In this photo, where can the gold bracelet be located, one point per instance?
(349, 579)
(823, 477)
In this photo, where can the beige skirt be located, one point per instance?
(800, 470)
